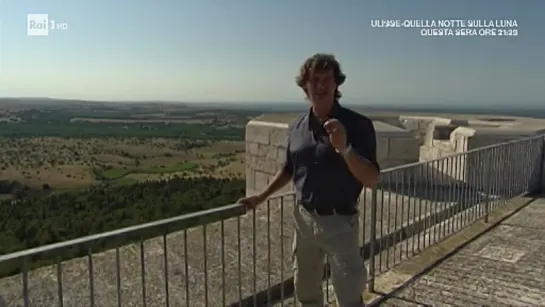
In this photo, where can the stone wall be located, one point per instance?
(266, 150)
(422, 126)
(459, 163)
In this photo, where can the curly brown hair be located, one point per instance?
(321, 62)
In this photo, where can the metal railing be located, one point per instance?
(228, 257)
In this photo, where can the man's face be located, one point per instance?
(321, 87)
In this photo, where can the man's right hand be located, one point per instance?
(252, 201)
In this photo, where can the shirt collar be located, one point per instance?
(333, 113)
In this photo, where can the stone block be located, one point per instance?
(250, 181)
(257, 132)
(389, 163)
(427, 153)
(264, 165)
(403, 148)
(278, 136)
(261, 180)
(281, 153)
(382, 148)
(263, 151)
(252, 148)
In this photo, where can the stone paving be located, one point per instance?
(504, 267)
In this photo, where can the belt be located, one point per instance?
(340, 210)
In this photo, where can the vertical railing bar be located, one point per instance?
(417, 184)
(488, 160)
(474, 182)
(186, 270)
(254, 255)
(397, 239)
(205, 262)
(488, 184)
(269, 298)
(463, 176)
(426, 204)
(59, 282)
(494, 178)
(381, 237)
(541, 155)
(388, 230)
(239, 262)
(143, 272)
(508, 178)
(499, 175)
(475, 185)
(438, 203)
(364, 216)
(404, 173)
(91, 277)
(451, 180)
(524, 171)
(444, 198)
(444, 194)
(509, 174)
(410, 239)
(480, 182)
(453, 195)
(467, 191)
(433, 203)
(223, 284)
(118, 275)
(373, 236)
(282, 294)
(165, 259)
(294, 202)
(25, 282)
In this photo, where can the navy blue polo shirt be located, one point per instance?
(320, 175)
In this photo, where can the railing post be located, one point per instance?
(542, 167)
(372, 240)
(488, 183)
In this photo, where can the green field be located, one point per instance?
(118, 173)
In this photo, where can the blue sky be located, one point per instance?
(248, 50)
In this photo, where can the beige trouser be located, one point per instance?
(338, 237)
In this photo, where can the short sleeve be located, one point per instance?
(364, 141)
(288, 162)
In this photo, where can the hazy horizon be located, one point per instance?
(301, 104)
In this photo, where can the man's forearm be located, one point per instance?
(362, 169)
(279, 181)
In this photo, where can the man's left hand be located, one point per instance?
(337, 134)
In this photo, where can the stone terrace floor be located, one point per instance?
(503, 267)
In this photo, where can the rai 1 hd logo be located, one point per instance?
(41, 25)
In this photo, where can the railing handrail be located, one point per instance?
(415, 164)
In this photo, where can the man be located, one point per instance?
(331, 155)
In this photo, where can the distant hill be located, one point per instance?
(266, 107)
(37, 102)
